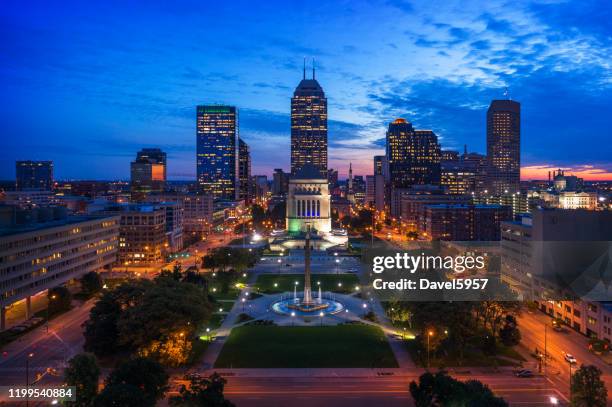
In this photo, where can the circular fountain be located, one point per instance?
(298, 307)
(306, 305)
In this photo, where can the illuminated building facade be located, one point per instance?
(456, 178)
(244, 172)
(504, 146)
(38, 256)
(148, 173)
(578, 200)
(217, 151)
(308, 201)
(34, 175)
(309, 126)
(142, 233)
(413, 155)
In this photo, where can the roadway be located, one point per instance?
(48, 349)
(371, 390)
(532, 326)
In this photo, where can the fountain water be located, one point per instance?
(307, 306)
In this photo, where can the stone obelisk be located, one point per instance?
(307, 289)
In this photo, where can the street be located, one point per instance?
(531, 325)
(358, 390)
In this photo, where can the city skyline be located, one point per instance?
(437, 70)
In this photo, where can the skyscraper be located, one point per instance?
(34, 175)
(503, 146)
(380, 165)
(217, 150)
(413, 155)
(244, 171)
(148, 172)
(309, 126)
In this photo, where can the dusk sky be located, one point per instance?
(87, 84)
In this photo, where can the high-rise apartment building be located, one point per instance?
(34, 175)
(309, 126)
(504, 146)
(217, 151)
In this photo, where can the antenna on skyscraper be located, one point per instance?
(304, 68)
(313, 68)
(507, 93)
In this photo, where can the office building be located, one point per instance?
(34, 175)
(142, 233)
(449, 155)
(280, 182)
(458, 179)
(39, 251)
(413, 155)
(504, 146)
(413, 202)
(244, 172)
(148, 173)
(375, 192)
(524, 267)
(309, 126)
(217, 151)
(457, 222)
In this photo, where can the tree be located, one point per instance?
(143, 373)
(101, 330)
(440, 390)
(588, 390)
(203, 392)
(91, 283)
(124, 395)
(60, 299)
(83, 374)
(509, 334)
(178, 308)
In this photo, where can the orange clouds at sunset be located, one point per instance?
(587, 172)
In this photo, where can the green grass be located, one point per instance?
(472, 357)
(306, 347)
(286, 282)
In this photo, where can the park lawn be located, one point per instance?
(286, 282)
(472, 357)
(352, 346)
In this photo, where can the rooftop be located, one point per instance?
(33, 227)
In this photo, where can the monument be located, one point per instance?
(307, 305)
(308, 208)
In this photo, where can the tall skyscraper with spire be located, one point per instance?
(309, 125)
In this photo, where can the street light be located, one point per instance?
(30, 355)
(243, 301)
(321, 314)
(292, 316)
(49, 306)
(429, 335)
(570, 379)
(553, 400)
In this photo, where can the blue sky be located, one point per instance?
(87, 84)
